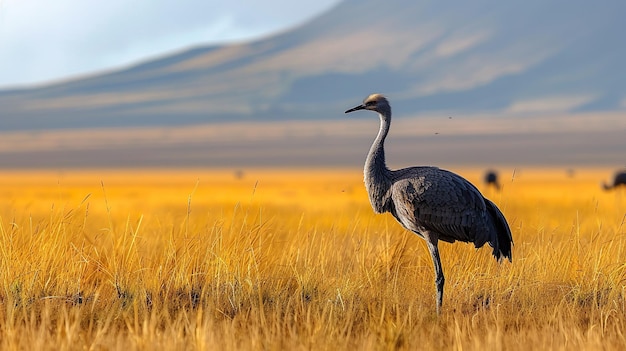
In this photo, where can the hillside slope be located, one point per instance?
(537, 56)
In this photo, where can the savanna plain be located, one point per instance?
(288, 259)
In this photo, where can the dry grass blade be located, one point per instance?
(302, 263)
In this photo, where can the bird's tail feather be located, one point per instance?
(503, 240)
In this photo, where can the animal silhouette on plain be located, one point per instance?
(618, 180)
(491, 178)
(433, 203)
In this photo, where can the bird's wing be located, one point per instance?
(432, 199)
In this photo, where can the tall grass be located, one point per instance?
(297, 260)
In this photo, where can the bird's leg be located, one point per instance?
(439, 278)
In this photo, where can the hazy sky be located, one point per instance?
(42, 41)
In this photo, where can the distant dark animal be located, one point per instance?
(432, 203)
(618, 180)
(491, 178)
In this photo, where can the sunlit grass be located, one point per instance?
(286, 259)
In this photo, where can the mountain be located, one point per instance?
(487, 55)
(432, 58)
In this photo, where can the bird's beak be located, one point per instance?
(360, 107)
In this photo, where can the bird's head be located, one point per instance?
(374, 102)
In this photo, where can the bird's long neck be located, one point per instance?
(376, 173)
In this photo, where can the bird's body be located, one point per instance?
(433, 203)
(491, 178)
(432, 199)
(618, 180)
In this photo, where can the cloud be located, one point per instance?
(550, 104)
(47, 40)
(460, 42)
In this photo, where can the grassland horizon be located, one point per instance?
(295, 259)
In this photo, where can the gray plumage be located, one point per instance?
(618, 180)
(433, 203)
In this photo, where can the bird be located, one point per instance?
(433, 203)
(618, 180)
(491, 178)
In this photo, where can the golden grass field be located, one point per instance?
(297, 260)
